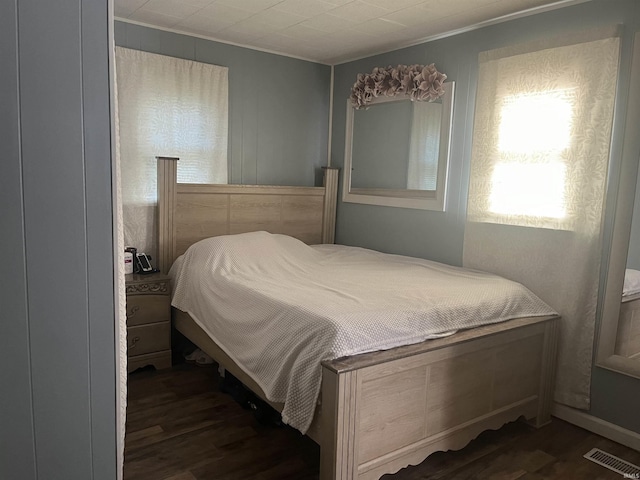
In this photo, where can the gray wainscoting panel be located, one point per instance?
(54, 204)
(96, 130)
(614, 398)
(57, 199)
(17, 439)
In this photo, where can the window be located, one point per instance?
(534, 134)
(541, 135)
(167, 107)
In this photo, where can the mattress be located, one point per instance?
(279, 307)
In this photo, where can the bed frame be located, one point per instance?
(380, 411)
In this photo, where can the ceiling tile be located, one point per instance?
(277, 19)
(250, 5)
(379, 26)
(124, 8)
(236, 36)
(411, 16)
(337, 2)
(275, 41)
(445, 8)
(359, 11)
(393, 5)
(204, 24)
(122, 11)
(198, 3)
(305, 8)
(225, 12)
(303, 32)
(329, 23)
(154, 18)
(170, 8)
(252, 28)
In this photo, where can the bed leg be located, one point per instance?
(338, 437)
(548, 377)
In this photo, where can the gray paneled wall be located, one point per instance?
(278, 106)
(439, 235)
(58, 396)
(17, 436)
(633, 258)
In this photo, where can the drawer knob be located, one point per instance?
(133, 311)
(133, 342)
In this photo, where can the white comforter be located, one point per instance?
(279, 307)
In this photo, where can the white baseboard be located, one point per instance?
(596, 425)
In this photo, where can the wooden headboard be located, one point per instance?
(189, 213)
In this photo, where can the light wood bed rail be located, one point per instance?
(380, 411)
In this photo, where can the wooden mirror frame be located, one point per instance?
(424, 200)
(605, 352)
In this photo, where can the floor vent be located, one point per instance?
(626, 469)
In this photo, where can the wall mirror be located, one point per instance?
(619, 339)
(397, 152)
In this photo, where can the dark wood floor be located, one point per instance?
(181, 427)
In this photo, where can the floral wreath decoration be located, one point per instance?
(420, 82)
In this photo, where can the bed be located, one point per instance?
(628, 339)
(379, 411)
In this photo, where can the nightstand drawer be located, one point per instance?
(148, 338)
(143, 309)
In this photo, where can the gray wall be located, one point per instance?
(439, 235)
(278, 106)
(57, 406)
(633, 259)
(380, 133)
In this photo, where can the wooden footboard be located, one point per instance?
(383, 411)
(386, 410)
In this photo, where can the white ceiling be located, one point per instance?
(326, 31)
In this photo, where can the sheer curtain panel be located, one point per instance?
(540, 155)
(167, 107)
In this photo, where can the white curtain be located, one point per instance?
(540, 155)
(424, 146)
(167, 107)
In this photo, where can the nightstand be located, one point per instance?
(148, 321)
